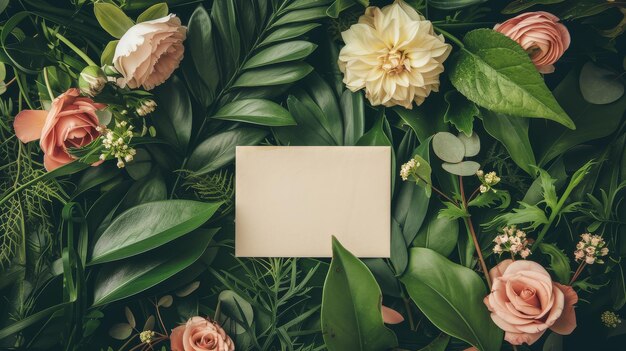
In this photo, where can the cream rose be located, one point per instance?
(524, 302)
(149, 52)
(394, 54)
(200, 334)
(71, 123)
(540, 34)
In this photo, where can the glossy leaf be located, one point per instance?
(236, 314)
(310, 129)
(112, 19)
(201, 41)
(439, 344)
(219, 150)
(301, 16)
(460, 112)
(256, 111)
(559, 262)
(351, 306)
(512, 132)
(494, 72)
(119, 280)
(439, 234)
(353, 110)
(149, 225)
(279, 53)
(451, 297)
(154, 12)
(224, 17)
(288, 32)
(173, 117)
(422, 124)
(282, 74)
(399, 257)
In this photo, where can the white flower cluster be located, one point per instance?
(146, 336)
(116, 143)
(408, 169)
(146, 107)
(512, 240)
(488, 180)
(590, 248)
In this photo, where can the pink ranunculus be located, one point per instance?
(70, 123)
(524, 302)
(200, 334)
(149, 52)
(540, 34)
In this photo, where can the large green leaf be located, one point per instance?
(219, 150)
(173, 117)
(559, 262)
(512, 132)
(351, 306)
(150, 225)
(311, 130)
(256, 111)
(451, 297)
(118, 280)
(323, 96)
(112, 19)
(353, 109)
(224, 17)
(439, 234)
(593, 121)
(275, 75)
(201, 43)
(496, 73)
(460, 112)
(284, 52)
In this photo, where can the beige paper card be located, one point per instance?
(290, 200)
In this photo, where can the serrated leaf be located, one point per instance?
(448, 147)
(548, 190)
(112, 19)
(451, 211)
(491, 198)
(525, 214)
(154, 12)
(256, 111)
(496, 73)
(268, 76)
(465, 168)
(460, 112)
(559, 263)
(279, 53)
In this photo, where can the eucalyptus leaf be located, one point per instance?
(112, 19)
(448, 147)
(599, 85)
(495, 72)
(279, 53)
(465, 168)
(451, 297)
(119, 280)
(351, 306)
(275, 75)
(219, 150)
(256, 111)
(471, 143)
(149, 225)
(120, 331)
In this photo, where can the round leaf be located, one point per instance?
(130, 317)
(120, 331)
(599, 86)
(465, 168)
(256, 111)
(448, 147)
(471, 143)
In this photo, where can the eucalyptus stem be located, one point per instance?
(74, 48)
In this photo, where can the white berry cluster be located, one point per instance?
(116, 143)
(590, 248)
(409, 169)
(488, 180)
(512, 240)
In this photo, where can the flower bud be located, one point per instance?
(92, 80)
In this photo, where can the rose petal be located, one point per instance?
(28, 124)
(567, 322)
(391, 316)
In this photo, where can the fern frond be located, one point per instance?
(214, 187)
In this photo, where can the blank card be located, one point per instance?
(290, 200)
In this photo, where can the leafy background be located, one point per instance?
(264, 72)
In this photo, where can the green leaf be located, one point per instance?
(112, 19)
(109, 51)
(439, 234)
(452, 211)
(496, 73)
(310, 129)
(548, 190)
(236, 314)
(399, 257)
(520, 5)
(551, 140)
(323, 96)
(301, 16)
(225, 18)
(460, 112)
(471, 143)
(256, 111)
(353, 110)
(288, 32)
(202, 47)
(530, 214)
(512, 132)
(618, 288)
(439, 344)
(453, 4)
(173, 116)
(119, 280)
(465, 168)
(281, 74)
(150, 225)
(491, 198)
(451, 297)
(339, 6)
(448, 147)
(219, 150)
(559, 263)
(153, 12)
(284, 52)
(422, 123)
(351, 306)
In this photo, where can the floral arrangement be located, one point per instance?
(118, 126)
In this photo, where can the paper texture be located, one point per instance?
(290, 200)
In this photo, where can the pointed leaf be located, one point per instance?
(284, 52)
(256, 111)
(112, 19)
(153, 12)
(282, 74)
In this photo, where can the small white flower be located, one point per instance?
(483, 189)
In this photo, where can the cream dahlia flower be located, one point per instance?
(394, 54)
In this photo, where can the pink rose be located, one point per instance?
(149, 52)
(540, 34)
(200, 334)
(70, 123)
(524, 302)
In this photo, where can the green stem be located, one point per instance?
(450, 36)
(553, 216)
(45, 78)
(78, 51)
